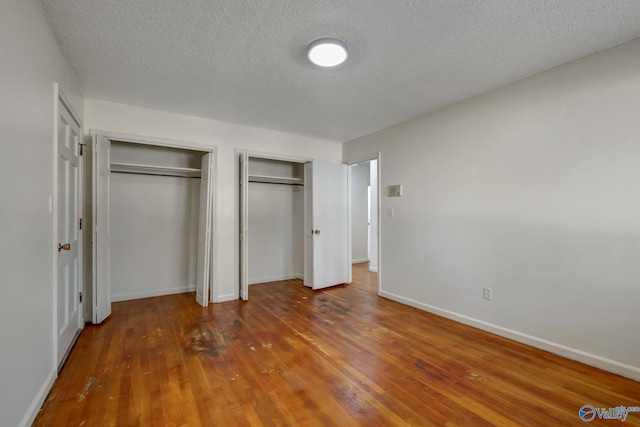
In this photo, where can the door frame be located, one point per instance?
(237, 212)
(367, 158)
(61, 98)
(171, 143)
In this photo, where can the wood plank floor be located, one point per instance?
(294, 357)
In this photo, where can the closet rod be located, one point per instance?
(297, 184)
(155, 174)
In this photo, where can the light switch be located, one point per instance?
(390, 212)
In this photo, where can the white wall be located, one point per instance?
(154, 235)
(154, 224)
(31, 63)
(359, 213)
(531, 190)
(226, 137)
(276, 240)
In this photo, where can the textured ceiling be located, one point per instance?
(245, 61)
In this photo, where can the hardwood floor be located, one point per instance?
(292, 356)
(363, 278)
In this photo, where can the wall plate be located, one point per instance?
(394, 190)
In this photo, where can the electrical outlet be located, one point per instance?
(487, 293)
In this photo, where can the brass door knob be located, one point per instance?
(66, 246)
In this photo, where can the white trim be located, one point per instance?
(359, 260)
(275, 279)
(373, 270)
(242, 216)
(65, 101)
(93, 309)
(213, 263)
(54, 301)
(349, 236)
(272, 156)
(367, 158)
(150, 140)
(37, 403)
(154, 293)
(609, 365)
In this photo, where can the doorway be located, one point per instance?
(365, 208)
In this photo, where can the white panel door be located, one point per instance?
(244, 226)
(327, 224)
(69, 280)
(204, 232)
(101, 228)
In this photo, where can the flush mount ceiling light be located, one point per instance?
(327, 52)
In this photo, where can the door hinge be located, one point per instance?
(80, 223)
(81, 148)
(80, 297)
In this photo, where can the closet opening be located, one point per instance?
(293, 222)
(274, 221)
(152, 221)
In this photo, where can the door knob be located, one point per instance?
(65, 247)
(316, 232)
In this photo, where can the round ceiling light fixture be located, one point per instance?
(327, 52)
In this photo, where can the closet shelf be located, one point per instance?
(276, 179)
(155, 170)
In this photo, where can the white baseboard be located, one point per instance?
(616, 367)
(358, 261)
(153, 293)
(373, 269)
(37, 403)
(274, 278)
(226, 298)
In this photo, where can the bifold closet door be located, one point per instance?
(204, 232)
(101, 228)
(244, 226)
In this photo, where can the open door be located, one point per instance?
(69, 251)
(101, 228)
(204, 232)
(244, 220)
(327, 257)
